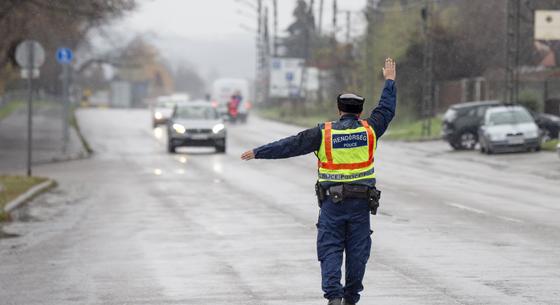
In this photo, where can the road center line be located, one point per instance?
(511, 219)
(466, 208)
(481, 212)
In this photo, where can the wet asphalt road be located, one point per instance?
(135, 225)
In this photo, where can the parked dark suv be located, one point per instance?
(461, 122)
(549, 125)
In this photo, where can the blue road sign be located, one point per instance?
(289, 76)
(64, 55)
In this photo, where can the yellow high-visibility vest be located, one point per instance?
(347, 155)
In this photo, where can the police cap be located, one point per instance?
(350, 102)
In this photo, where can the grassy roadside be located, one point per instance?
(412, 131)
(13, 186)
(10, 107)
(279, 114)
(550, 145)
(74, 123)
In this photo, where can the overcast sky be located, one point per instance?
(217, 36)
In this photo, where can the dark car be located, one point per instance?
(461, 123)
(549, 125)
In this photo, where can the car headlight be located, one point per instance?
(218, 128)
(179, 128)
(158, 115)
(532, 134)
(496, 136)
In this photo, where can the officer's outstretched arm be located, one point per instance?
(303, 143)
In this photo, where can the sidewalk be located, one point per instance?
(48, 144)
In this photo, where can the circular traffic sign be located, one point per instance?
(30, 54)
(64, 55)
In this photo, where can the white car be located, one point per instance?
(196, 124)
(508, 128)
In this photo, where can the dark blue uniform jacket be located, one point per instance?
(309, 140)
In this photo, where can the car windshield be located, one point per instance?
(510, 117)
(196, 112)
(165, 104)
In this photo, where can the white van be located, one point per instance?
(224, 88)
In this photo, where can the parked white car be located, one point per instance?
(508, 128)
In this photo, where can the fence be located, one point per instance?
(448, 93)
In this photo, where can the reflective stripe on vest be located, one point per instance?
(347, 154)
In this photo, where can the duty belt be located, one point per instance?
(340, 192)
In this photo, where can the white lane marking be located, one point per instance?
(477, 211)
(511, 219)
(466, 208)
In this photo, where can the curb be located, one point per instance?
(25, 197)
(71, 157)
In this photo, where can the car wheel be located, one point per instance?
(467, 140)
(220, 149)
(545, 135)
(455, 145)
(482, 148)
(170, 147)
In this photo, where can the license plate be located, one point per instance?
(515, 140)
(199, 137)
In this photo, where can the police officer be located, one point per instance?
(346, 185)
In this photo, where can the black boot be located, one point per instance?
(344, 302)
(337, 301)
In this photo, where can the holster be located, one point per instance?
(374, 197)
(321, 194)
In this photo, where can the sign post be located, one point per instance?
(64, 57)
(30, 55)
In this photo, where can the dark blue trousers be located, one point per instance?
(343, 227)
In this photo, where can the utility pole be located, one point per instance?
(320, 72)
(334, 13)
(348, 26)
(320, 24)
(258, 74)
(334, 61)
(266, 56)
(512, 51)
(428, 77)
(369, 81)
(275, 27)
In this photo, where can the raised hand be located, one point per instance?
(389, 71)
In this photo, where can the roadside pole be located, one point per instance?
(30, 55)
(66, 104)
(64, 57)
